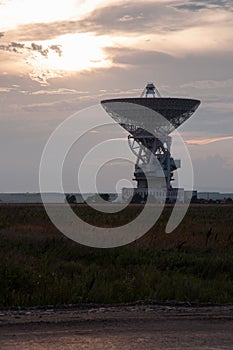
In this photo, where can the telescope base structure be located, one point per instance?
(157, 195)
(154, 165)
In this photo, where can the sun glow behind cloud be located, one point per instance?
(76, 52)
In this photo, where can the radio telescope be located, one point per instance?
(150, 119)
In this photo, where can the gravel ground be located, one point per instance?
(124, 327)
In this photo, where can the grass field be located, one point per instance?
(40, 266)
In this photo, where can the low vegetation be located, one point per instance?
(39, 266)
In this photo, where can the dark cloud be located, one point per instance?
(137, 57)
(12, 47)
(39, 48)
(190, 7)
(21, 48)
(135, 17)
(131, 17)
(220, 3)
(57, 49)
(44, 31)
(167, 68)
(198, 5)
(17, 45)
(45, 51)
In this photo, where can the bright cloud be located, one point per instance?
(77, 52)
(16, 12)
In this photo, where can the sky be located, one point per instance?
(58, 57)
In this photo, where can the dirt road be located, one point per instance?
(124, 327)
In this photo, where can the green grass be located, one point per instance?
(39, 266)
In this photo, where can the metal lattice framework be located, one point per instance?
(162, 113)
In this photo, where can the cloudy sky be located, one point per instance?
(57, 57)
